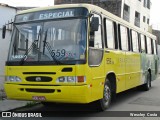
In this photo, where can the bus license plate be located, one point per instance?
(40, 98)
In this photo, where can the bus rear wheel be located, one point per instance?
(147, 85)
(104, 103)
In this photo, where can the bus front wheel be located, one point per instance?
(104, 103)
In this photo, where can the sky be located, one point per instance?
(29, 3)
(154, 13)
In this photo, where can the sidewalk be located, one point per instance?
(6, 105)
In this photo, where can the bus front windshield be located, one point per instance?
(58, 40)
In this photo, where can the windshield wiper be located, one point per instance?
(49, 48)
(33, 45)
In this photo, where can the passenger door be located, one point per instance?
(95, 59)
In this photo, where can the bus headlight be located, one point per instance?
(61, 79)
(71, 79)
(13, 79)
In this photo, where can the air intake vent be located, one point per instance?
(67, 70)
(40, 90)
(40, 73)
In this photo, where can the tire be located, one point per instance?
(105, 102)
(147, 85)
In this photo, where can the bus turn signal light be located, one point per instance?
(81, 79)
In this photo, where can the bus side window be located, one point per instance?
(123, 38)
(110, 36)
(149, 45)
(96, 36)
(139, 42)
(129, 40)
(135, 41)
(145, 39)
(154, 47)
(143, 49)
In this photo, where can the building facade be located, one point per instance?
(7, 13)
(136, 12)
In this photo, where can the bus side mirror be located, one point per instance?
(94, 24)
(4, 32)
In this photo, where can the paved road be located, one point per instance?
(131, 100)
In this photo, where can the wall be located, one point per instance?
(4, 46)
(7, 14)
(113, 6)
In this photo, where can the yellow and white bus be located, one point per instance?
(77, 53)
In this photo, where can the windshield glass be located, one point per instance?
(58, 40)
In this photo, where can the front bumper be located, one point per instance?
(60, 94)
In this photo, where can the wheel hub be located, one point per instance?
(107, 93)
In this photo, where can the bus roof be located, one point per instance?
(91, 7)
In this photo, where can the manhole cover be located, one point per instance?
(146, 101)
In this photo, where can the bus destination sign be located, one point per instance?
(56, 15)
(51, 14)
